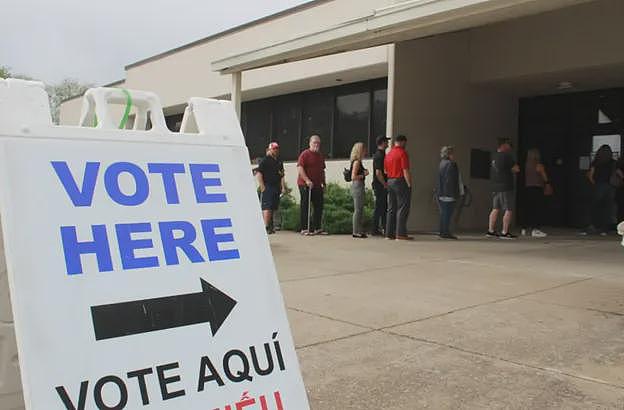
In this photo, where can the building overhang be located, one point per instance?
(403, 21)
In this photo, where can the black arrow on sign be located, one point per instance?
(149, 315)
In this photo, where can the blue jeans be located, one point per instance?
(446, 213)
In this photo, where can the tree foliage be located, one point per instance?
(57, 93)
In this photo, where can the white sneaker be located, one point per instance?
(523, 232)
(536, 233)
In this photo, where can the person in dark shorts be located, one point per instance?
(380, 187)
(502, 171)
(270, 176)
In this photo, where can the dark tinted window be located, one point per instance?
(286, 125)
(256, 125)
(352, 122)
(340, 115)
(318, 110)
(380, 101)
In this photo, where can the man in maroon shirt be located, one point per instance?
(397, 169)
(311, 182)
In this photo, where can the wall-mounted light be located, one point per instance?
(565, 85)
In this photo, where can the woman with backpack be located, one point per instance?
(358, 175)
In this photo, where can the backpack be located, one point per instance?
(346, 173)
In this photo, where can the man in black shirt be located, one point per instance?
(380, 186)
(270, 175)
(503, 168)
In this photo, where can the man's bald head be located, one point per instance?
(315, 143)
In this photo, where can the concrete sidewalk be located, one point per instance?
(477, 323)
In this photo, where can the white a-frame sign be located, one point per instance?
(139, 268)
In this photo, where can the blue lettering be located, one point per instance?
(79, 197)
(127, 246)
(213, 239)
(171, 244)
(200, 183)
(168, 171)
(73, 249)
(111, 181)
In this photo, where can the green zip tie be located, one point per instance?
(124, 119)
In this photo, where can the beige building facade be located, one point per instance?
(446, 72)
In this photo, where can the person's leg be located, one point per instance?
(507, 216)
(443, 217)
(267, 215)
(356, 199)
(507, 204)
(450, 209)
(317, 201)
(493, 218)
(359, 208)
(391, 216)
(378, 214)
(620, 204)
(384, 207)
(303, 192)
(403, 199)
(533, 208)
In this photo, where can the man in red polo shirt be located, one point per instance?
(311, 182)
(397, 169)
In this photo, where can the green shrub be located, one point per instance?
(337, 210)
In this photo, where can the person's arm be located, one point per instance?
(408, 177)
(515, 168)
(406, 171)
(260, 179)
(590, 175)
(304, 176)
(324, 183)
(541, 169)
(380, 177)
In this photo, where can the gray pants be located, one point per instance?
(357, 191)
(399, 201)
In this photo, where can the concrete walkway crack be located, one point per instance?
(502, 359)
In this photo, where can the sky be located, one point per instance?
(92, 41)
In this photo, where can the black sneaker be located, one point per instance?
(507, 236)
(490, 234)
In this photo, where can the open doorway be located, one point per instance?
(567, 129)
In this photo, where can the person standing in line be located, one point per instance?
(536, 187)
(380, 187)
(311, 182)
(270, 176)
(619, 189)
(397, 168)
(358, 176)
(448, 190)
(503, 168)
(600, 175)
